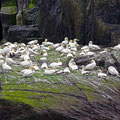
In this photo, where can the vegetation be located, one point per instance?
(9, 9)
(9, 3)
(32, 4)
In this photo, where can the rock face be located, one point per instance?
(22, 33)
(60, 18)
(8, 15)
(94, 20)
(30, 16)
(1, 36)
(107, 21)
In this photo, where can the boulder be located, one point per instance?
(22, 33)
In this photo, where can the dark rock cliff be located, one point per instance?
(0, 25)
(60, 18)
(86, 20)
(94, 20)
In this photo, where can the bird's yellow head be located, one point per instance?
(75, 40)
(66, 38)
(100, 71)
(92, 61)
(36, 65)
(71, 41)
(58, 59)
(32, 46)
(76, 45)
(67, 45)
(49, 47)
(105, 49)
(27, 47)
(9, 44)
(18, 45)
(25, 53)
(73, 63)
(4, 60)
(54, 68)
(32, 68)
(15, 43)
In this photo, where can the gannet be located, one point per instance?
(60, 48)
(9, 60)
(56, 45)
(65, 50)
(46, 43)
(112, 70)
(117, 47)
(26, 63)
(49, 71)
(29, 72)
(70, 55)
(43, 58)
(83, 72)
(90, 65)
(65, 40)
(5, 66)
(66, 70)
(45, 54)
(101, 74)
(25, 56)
(104, 51)
(36, 67)
(92, 46)
(89, 53)
(6, 49)
(85, 47)
(73, 66)
(56, 64)
(70, 62)
(1, 62)
(33, 42)
(44, 66)
(1, 56)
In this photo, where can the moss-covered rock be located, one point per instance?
(60, 96)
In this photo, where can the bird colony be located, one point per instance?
(20, 54)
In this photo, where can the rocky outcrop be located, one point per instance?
(23, 33)
(94, 20)
(30, 16)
